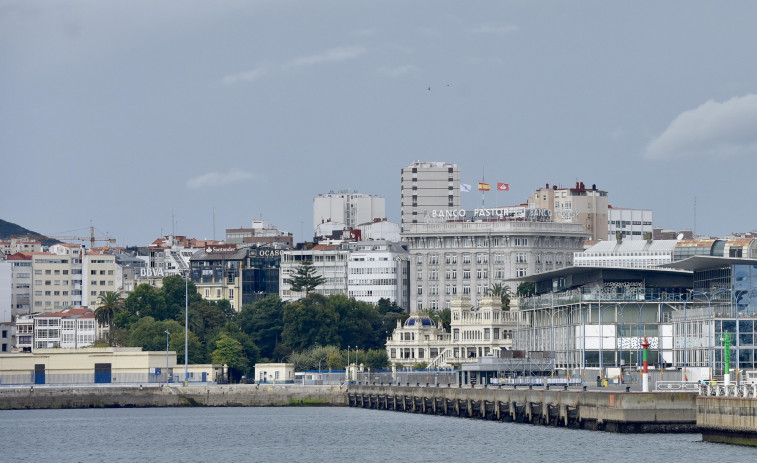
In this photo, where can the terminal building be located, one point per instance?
(589, 317)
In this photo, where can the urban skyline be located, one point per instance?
(143, 120)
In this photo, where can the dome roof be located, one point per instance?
(419, 321)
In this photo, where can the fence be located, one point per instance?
(86, 378)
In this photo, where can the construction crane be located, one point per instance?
(91, 238)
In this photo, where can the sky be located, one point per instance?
(146, 118)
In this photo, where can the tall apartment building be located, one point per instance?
(428, 186)
(347, 207)
(629, 224)
(53, 285)
(379, 269)
(451, 259)
(98, 277)
(21, 283)
(580, 205)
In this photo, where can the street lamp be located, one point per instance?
(167, 336)
(186, 330)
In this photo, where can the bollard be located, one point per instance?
(628, 388)
(584, 388)
(546, 387)
(565, 388)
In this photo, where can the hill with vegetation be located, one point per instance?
(10, 230)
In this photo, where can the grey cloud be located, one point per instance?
(212, 179)
(333, 55)
(400, 70)
(246, 76)
(713, 129)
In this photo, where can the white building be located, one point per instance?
(629, 224)
(14, 245)
(380, 230)
(428, 186)
(21, 283)
(347, 207)
(626, 254)
(450, 259)
(379, 269)
(475, 332)
(70, 328)
(330, 261)
(6, 291)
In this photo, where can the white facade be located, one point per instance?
(347, 207)
(428, 186)
(466, 258)
(631, 224)
(475, 332)
(6, 291)
(376, 270)
(70, 328)
(21, 284)
(330, 261)
(380, 230)
(98, 277)
(14, 245)
(626, 254)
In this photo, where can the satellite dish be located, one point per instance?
(679, 237)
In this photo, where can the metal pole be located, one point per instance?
(186, 331)
(167, 334)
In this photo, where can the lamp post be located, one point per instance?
(348, 365)
(186, 330)
(167, 337)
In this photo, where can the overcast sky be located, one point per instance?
(125, 114)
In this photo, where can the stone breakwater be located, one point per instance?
(241, 395)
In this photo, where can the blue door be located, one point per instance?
(204, 376)
(102, 373)
(39, 373)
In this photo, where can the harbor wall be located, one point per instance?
(597, 410)
(730, 420)
(242, 395)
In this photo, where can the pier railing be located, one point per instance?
(746, 390)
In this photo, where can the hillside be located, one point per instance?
(9, 229)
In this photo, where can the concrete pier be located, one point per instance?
(731, 420)
(242, 395)
(596, 410)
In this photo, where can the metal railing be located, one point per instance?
(745, 390)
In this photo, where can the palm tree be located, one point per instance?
(110, 305)
(503, 292)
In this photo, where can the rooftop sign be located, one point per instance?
(218, 248)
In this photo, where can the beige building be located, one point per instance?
(53, 287)
(98, 277)
(86, 366)
(428, 186)
(274, 373)
(474, 332)
(588, 207)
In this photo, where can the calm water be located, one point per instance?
(323, 435)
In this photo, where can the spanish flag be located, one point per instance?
(484, 186)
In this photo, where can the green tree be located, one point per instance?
(230, 352)
(306, 278)
(263, 321)
(146, 301)
(177, 294)
(527, 288)
(503, 292)
(110, 305)
(375, 359)
(310, 321)
(442, 318)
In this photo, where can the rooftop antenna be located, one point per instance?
(694, 231)
(214, 224)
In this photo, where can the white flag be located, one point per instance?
(465, 188)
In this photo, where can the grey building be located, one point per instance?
(428, 186)
(450, 259)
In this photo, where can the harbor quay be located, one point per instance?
(616, 411)
(171, 395)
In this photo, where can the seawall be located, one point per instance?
(242, 395)
(732, 420)
(596, 410)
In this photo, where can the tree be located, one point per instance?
(146, 301)
(263, 321)
(306, 278)
(110, 305)
(527, 288)
(230, 352)
(310, 321)
(503, 292)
